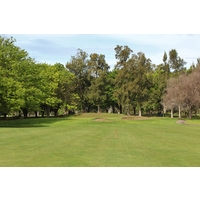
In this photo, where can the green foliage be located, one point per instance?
(111, 100)
(79, 68)
(122, 54)
(10, 95)
(56, 86)
(158, 84)
(29, 86)
(98, 70)
(176, 63)
(11, 88)
(165, 57)
(132, 82)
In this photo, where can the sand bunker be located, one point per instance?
(101, 120)
(180, 121)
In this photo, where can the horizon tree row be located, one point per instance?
(135, 84)
(86, 83)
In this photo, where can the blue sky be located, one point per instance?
(52, 48)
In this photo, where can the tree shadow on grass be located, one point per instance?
(31, 122)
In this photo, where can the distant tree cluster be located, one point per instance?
(27, 86)
(183, 92)
(86, 83)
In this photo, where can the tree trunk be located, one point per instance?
(82, 110)
(4, 116)
(134, 110)
(179, 111)
(112, 108)
(120, 109)
(98, 108)
(164, 109)
(140, 112)
(172, 113)
(36, 114)
(128, 110)
(25, 112)
(190, 113)
(19, 114)
(55, 112)
(48, 111)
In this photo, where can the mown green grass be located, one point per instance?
(99, 140)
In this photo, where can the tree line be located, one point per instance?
(86, 84)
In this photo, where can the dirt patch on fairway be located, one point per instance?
(101, 120)
(181, 121)
(135, 118)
